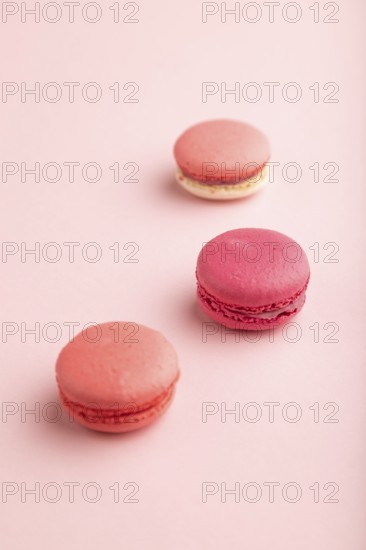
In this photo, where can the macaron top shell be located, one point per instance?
(253, 268)
(127, 363)
(228, 145)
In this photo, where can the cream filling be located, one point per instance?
(296, 304)
(223, 190)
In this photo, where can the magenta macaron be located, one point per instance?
(252, 279)
(117, 377)
(222, 159)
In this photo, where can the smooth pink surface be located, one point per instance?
(115, 370)
(253, 268)
(221, 151)
(169, 53)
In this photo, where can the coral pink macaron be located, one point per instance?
(252, 279)
(117, 377)
(222, 159)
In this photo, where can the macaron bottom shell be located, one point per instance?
(223, 191)
(117, 419)
(237, 320)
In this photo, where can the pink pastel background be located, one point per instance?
(169, 53)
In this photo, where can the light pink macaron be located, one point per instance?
(117, 377)
(222, 159)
